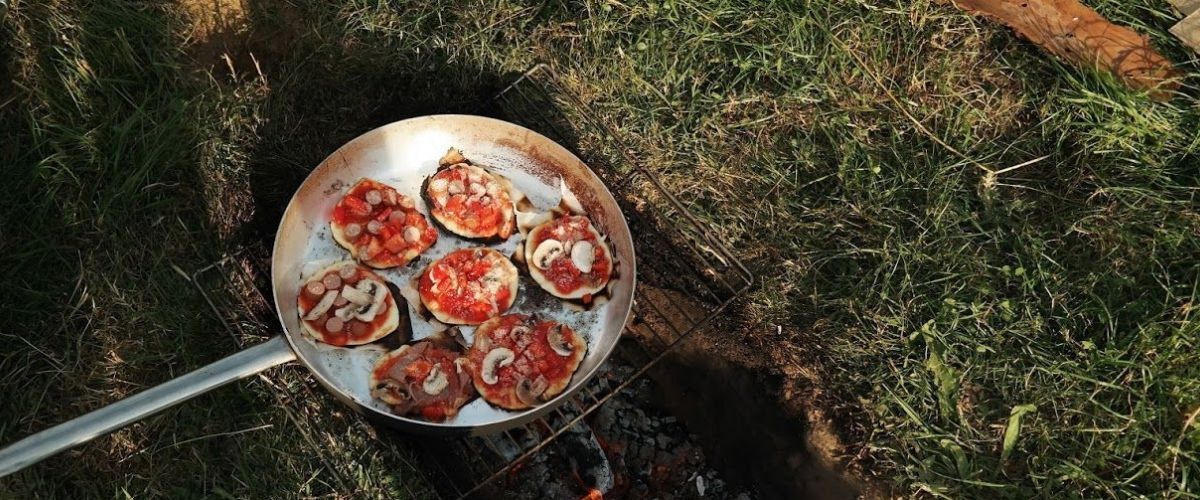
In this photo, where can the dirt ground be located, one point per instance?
(759, 412)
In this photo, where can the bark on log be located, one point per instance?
(1081, 36)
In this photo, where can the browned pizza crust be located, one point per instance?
(468, 286)
(427, 378)
(471, 202)
(542, 274)
(519, 361)
(356, 327)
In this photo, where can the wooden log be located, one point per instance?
(1077, 34)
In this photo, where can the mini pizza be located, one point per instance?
(518, 361)
(469, 286)
(569, 258)
(425, 378)
(347, 304)
(470, 201)
(381, 227)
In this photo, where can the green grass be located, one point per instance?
(936, 295)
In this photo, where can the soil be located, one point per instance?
(222, 39)
(628, 448)
(759, 423)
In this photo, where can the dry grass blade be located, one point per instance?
(866, 68)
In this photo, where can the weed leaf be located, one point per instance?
(1014, 429)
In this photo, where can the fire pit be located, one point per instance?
(627, 448)
(606, 436)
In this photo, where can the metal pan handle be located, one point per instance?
(33, 449)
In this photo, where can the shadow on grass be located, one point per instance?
(127, 136)
(266, 98)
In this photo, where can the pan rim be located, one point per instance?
(512, 418)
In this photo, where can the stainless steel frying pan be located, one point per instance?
(401, 154)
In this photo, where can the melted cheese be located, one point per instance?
(489, 286)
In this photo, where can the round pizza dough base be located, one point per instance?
(510, 219)
(510, 271)
(506, 397)
(386, 328)
(545, 283)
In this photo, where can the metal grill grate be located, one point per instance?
(674, 250)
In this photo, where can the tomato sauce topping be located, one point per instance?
(404, 377)
(472, 201)
(382, 226)
(534, 355)
(471, 284)
(562, 271)
(345, 328)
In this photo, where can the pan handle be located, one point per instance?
(33, 449)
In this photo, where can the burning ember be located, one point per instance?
(626, 449)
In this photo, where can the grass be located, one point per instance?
(989, 260)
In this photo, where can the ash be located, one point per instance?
(627, 448)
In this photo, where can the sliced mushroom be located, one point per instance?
(435, 382)
(356, 295)
(546, 252)
(558, 341)
(391, 392)
(496, 359)
(379, 294)
(346, 313)
(530, 391)
(583, 256)
(323, 305)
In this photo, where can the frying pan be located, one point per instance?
(402, 154)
